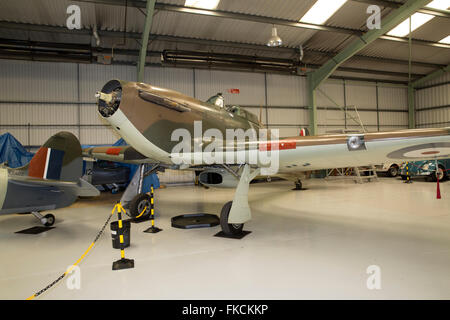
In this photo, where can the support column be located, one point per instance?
(411, 107)
(147, 27)
(312, 106)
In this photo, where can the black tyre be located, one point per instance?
(229, 228)
(441, 172)
(50, 220)
(139, 206)
(404, 177)
(393, 171)
(298, 185)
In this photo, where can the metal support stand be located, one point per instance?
(152, 229)
(408, 180)
(122, 263)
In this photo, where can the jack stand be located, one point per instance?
(152, 229)
(123, 264)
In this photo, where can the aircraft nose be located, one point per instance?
(3, 185)
(108, 99)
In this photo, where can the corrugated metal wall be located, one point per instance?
(38, 99)
(433, 103)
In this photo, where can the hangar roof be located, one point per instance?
(238, 28)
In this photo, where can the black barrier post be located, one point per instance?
(152, 229)
(122, 263)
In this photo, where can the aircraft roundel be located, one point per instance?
(424, 151)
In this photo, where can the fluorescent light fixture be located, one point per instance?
(322, 10)
(446, 40)
(418, 19)
(203, 4)
(439, 4)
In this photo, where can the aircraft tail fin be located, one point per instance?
(58, 159)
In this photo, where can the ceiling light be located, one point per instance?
(322, 10)
(274, 40)
(446, 40)
(417, 20)
(203, 4)
(438, 4)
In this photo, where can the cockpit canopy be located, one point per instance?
(217, 100)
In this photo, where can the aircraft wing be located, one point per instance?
(124, 154)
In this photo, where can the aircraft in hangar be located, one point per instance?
(153, 121)
(51, 180)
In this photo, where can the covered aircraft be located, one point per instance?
(147, 117)
(51, 180)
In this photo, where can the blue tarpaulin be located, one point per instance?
(12, 151)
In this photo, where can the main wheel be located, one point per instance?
(229, 228)
(298, 185)
(139, 206)
(50, 220)
(393, 171)
(440, 173)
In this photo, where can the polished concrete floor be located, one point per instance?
(310, 244)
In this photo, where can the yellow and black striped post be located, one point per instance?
(152, 229)
(122, 263)
(408, 179)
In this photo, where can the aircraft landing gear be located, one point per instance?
(48, 220)
(139, 206)
(229, 228)
(235, 213)
(298, 185)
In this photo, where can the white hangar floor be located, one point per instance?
(310, 244)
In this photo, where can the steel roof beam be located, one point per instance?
(360, 43)
(137, 35)
(260, 19)
(150, 9)
(396, 5)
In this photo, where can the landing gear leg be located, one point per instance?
(48, 220)
(133, 198)
(235, 213)
(298, 185)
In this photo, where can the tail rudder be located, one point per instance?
(58, 159)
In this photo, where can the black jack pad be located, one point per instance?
(123, 264)
(153, 229)
(239, 236)
(195, 220)
(35, 230)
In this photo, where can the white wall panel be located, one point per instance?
(98, 135)
(171, 78)
(288, 131)
(20, 133)
(19, 113)
(90, 115)
(288, 116)
(176, 176)
(257, 111)
(283, 90)
(38, 81)
(94, 76)
(39, 135)
(330, 89)
(361, 95)
(393, 118)
(433, 97)
(440, 117)
(393, 98)
(251, 86)
(330, 117)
